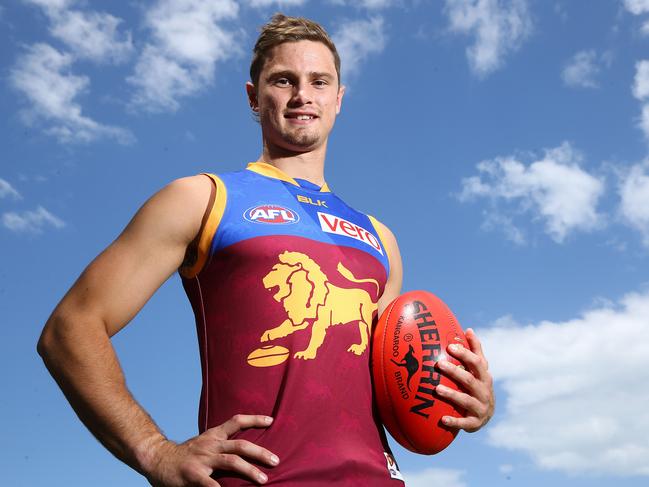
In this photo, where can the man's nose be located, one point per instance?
(301, 94)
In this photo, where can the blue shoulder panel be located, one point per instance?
(259, 206)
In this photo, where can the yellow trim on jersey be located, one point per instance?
(377, 226)
(271, 171)
(210, 227)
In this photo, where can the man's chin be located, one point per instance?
(303, 143)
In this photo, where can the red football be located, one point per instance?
(411, 336)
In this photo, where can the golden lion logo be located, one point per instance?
(309, 299)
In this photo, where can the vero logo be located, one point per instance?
(340, 226)
(274, 214)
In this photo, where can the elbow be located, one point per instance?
(52, 338)
(66, 334)
(45, 342)
(41, 347)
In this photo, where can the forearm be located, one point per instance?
(83, 362)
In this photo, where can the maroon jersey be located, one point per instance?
(285, 290)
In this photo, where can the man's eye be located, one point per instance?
(282, 82)
(320, 82)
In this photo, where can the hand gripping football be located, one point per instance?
(411, 336)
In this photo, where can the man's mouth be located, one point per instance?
(300, 116)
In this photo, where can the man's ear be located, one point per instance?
(339, 98)
(252, 96)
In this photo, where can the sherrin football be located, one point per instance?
(412, 334)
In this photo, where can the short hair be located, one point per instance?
(281, 29)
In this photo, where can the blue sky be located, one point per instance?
(503, 141)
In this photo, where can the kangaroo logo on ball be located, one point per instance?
(410, 363)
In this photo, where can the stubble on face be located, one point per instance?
(298, 61)
(303, 138)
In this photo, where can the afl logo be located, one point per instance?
(271, 214)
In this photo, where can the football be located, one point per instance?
(411, 335)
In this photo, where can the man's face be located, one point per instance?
(298, 96)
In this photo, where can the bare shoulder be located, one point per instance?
(386, 232)
(390, 241)
(395, 278)
(118, 282)
(178, 208)
(197, 187)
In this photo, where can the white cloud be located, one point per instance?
(634, 196)
(31, 221)
(644, 30)
(358, 39)
(641, 80)
(499, 27)
(188, 41)
(637, 7)
(93, 35)
(52, 4)
(376, 4)
(435, 476)
(88, 34)
(368, 4)
(505, 224)
(279, 3)
(641, 92)
(554, 189)
(582, 70)
(576, 390)
(7, 190)
(41, 75)
(643, 123)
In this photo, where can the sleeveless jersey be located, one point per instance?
(284, 289)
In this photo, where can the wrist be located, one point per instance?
(149, 453)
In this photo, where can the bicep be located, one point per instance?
(395, 278)
(115, 286)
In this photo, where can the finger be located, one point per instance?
(474, 343)
(200, 477)
(475, 363)
(465, 379)
(208, 482)
(234, 463)
(249, 450)
(242, 421)
(470, 424)
(463, 400)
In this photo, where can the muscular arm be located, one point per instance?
(75, 342)
(393, 285)
(478, 401)
(75, 345)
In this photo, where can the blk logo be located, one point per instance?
(307, 199)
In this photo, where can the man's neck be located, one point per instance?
(300, 165)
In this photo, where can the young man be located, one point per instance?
(284, 279)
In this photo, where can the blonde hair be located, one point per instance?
(281, 29)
